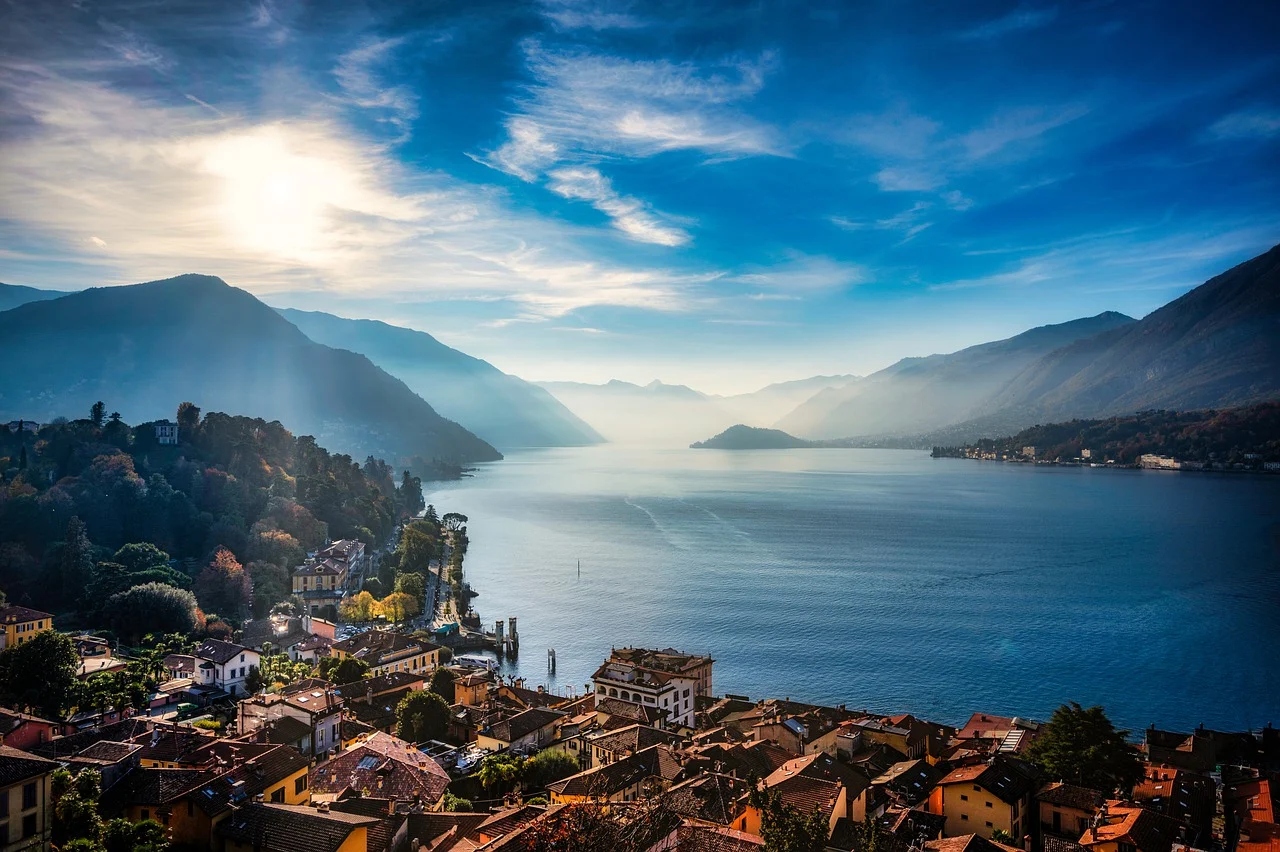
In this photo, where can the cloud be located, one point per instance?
(289, 205)
(132, 48)
(907, 179)
(356, 74)
(629, 215)
(1247, 124)
(801, 273)
(574, 15)
(1022, 19)
(584, 105)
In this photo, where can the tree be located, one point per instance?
(422, 715)
(999, 835)
(361, 607)
(345, 670)
(137, 557)
(547, 767)
(412, 584)
(399, 606)
(454, 521)
(409, 495)
(98, 414)
(417, 547)
(223, 586)
(500, 772)
(453, 804)
(442, 684)
(1080, 745)
(40, 673)
(75, 804)
(188, 420)
(75, 561)
(785, 829)
(152, 608)
(120, 835)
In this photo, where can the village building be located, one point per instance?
(635, 777)
(667, 680)
(224, 665)
(1065, 810)
(988, 796)
(23, 730)
(610, 746)
(385, 767)
(261, 827)
(307, 717)
(1130, 829)
(26, 812)
(387, 652)
(815, 782)
(530, 729)
(19, 624)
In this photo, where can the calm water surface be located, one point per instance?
(887, 580)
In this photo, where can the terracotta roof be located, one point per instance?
(291, 828)
(711, 796)
(523, 724)
(1006, 777)
(634, 738)
(693, 837)
(1070, 796)
(245, 780)
(1145, 830)
(373, 646)
(326, 568)
(122, 732)
(446, 830)
(106, 751)
(506, 821)
(151, 786)
(379, 684)
(14, 614)
(170, 745)
(968, 843)
(604, 781)
(17, 766)
(12, 720)
(813, 782)
(385, 766)
(181, 663)
(627, 710)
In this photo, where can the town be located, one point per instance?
(383, 742)
(341, 693)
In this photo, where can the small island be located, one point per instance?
(742, 437)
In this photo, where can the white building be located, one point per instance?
(224, 665)
(666, 680)
(306, 715)
(166, 432)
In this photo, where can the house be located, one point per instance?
(261, 827)
(308, 717)
(20, 623)
(968, 843)
(815, 782)
(1184, 796)
(381, 766)
(709, 797)
(212, 783)
(347, 553)
(1124, 829)
(373, 701)
(1066, 810)
(22, 730)
(472, 688)
(907, 782)
(180, 666)
(531, 728)
(166, 433)
(984, 797)
(25, 808)
(167, 746)
(320, 584)
(807, 733)
(667, 680)
(281, 634)
(224, 665)
(311, 649)
(443, 831)
(612, 713)
(904, 734)
(611, 746)
(635, 777)
(386, 652)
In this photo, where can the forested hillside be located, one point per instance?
(95, 507)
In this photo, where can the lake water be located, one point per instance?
(888, 580)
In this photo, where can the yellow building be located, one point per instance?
(815, 782)
(21, 623)
(980, 799)
(387, 652)
(278, 828)
(25, 812)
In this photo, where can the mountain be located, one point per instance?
(146, 347)
(506, 411)
(1215, 347)
(760, 408)
(742, 437)
(919, 394)
(654, 414)
(12, 295)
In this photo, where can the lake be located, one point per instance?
(888, 580)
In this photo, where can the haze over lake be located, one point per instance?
(890, 581)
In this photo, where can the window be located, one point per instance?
(964, 817)
(963, 797)
(28, 825)
(4, 806)
(242, 658)
(989, 825)
(299, 784)
(146, 814)
(988, 804)
(277, 795)
(976, 787)
(29, 795)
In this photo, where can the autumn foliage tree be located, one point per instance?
(223, 586)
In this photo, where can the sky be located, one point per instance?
(717, 194)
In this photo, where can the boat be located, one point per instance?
(476, 661)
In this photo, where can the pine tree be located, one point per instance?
(75, 563)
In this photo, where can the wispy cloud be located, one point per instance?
(357, 73)
(1258, 123)
(629, 215)
(1022, 19)
(803, 274)
(576, 14)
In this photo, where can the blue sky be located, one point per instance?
(723, 195)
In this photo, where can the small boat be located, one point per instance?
(476, 661)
